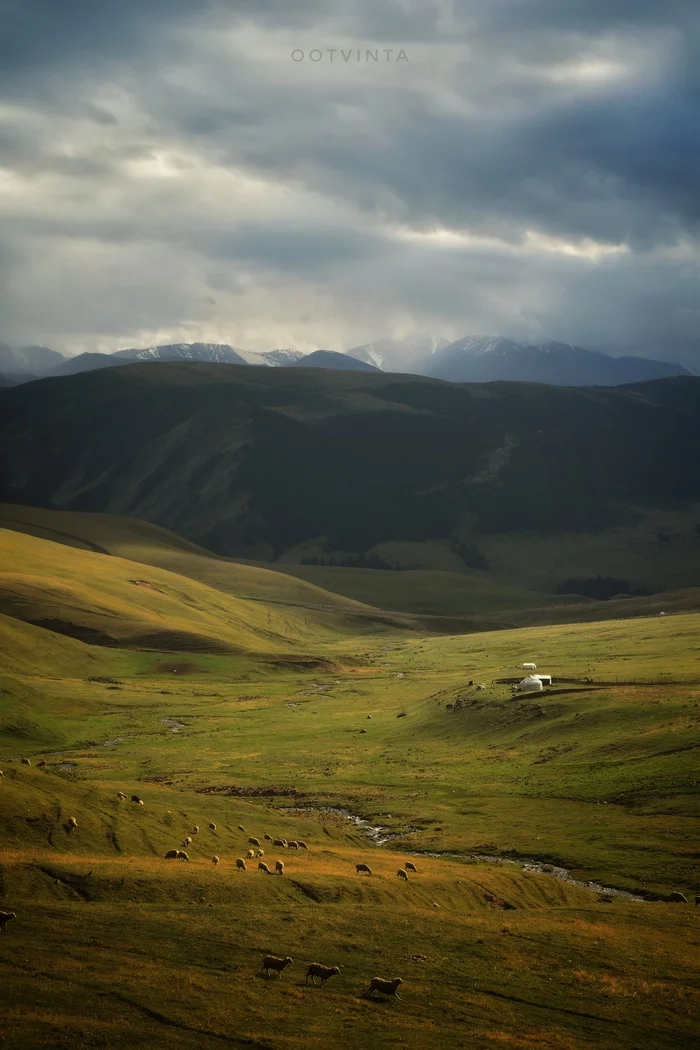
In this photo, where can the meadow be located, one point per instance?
(284, 713)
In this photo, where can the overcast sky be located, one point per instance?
(247, 172)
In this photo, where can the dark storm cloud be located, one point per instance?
(534, 163)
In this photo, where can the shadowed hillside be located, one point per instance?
(253, 461)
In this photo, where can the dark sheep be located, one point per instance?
(279, 842)
(181, 855)
(274, 963)
(678, 898)
(410, 866)
(26, 762)
(293, 844)
(279, 867)
(253, 842)
(262, 866)
(212, 826)
(363, 869)
(240, 864)
(402, 874)
(241, 828)
(5, 917)
(302, 845)
(322, 972)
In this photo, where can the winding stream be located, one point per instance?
(380, 835)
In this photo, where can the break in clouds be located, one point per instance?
(172, 171)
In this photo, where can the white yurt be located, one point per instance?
(531, 685)
(528, 667)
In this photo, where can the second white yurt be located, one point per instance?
(531, 685)
(528, 667)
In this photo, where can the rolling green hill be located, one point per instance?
(255, 461)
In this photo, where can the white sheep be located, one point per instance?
(187, 841)
(260, 853)
(279, 867)
(215, 860)
(250, 854)
(72, 822)
(378, 984)
(121, 796)
(195, 830)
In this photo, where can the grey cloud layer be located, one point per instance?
(169, 172)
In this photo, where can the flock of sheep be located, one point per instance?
(274, 964)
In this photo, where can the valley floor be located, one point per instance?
(288, 727)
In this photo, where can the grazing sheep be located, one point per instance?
(121, 796)
(260, 853)
(241, 828)
(250, 854)
(240, 864)
(480, 688)
(262, 866)
(253, 842)
(279, 842)
(195, 830)
(293, 844)
(187, 841)
(273, 962)
(215, 860)
(279, 867)
(41, 763)
(212, 826)
(268, 838)
(378, 984)
(697, 900)
(678, 898)
(5, 917)
(410, 866)
(302, 845)
(26, 762)
(181, 855)
(72, 822)
(363, 869)
(136, 799)
(323, 972)
(402, 874)
(172, 854)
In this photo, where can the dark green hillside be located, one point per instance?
(256, 460)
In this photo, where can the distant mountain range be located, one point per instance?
(489, 358)
(472, 359)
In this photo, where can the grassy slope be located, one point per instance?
(439, 600)
(146, 952)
